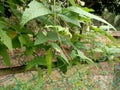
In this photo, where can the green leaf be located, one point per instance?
(52, 35)
(72, 2)
(61, 65)
(81, 55)
(31, 64)
(49, 59)
(45, 20)
(59, 50)
(41, 38)
(81, 45)
(3, 52)
(24, 30)
(2, 9)
(29, 51)
(71, 20)
(35, 62)
(112, 50)
(98, 50)
(6, 40)
(104, 27)
(102, 32)
(16, 42)
(64, 31)
(35, 9)
(82, 12)
(25, 40)
(73, 54)
(88, 9)
(3, 23)
(22, 40)
(40, 77)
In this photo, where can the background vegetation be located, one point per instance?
(55, 33)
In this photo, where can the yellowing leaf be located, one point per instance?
(12, 34)
(49, 61)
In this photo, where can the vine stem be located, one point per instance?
(61, 45)
(54, 12)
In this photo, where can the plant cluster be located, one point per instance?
(99, 5)
(65, 35)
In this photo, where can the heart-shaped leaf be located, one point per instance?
(35, 9)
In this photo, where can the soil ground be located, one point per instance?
(104, 74)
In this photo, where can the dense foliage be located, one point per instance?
(99, 5)
(64, 34)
